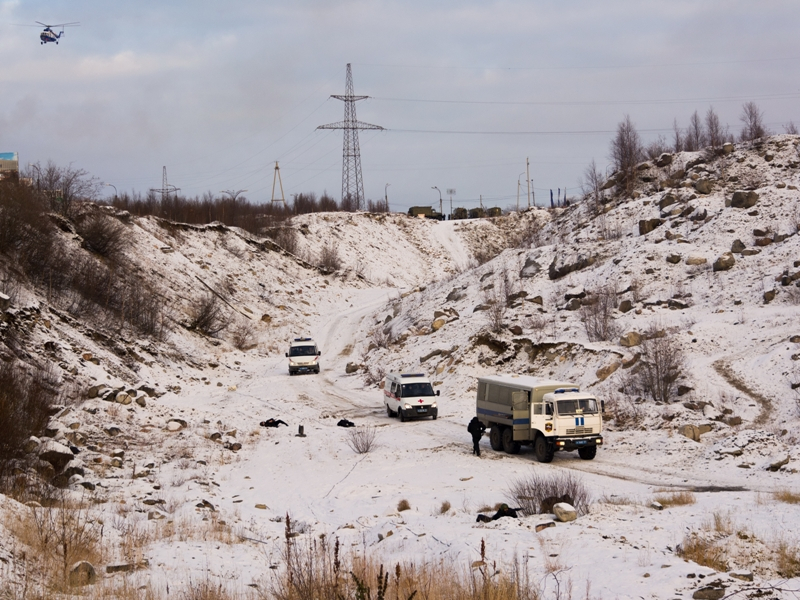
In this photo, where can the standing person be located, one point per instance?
(476, 429)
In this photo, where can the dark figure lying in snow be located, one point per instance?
(504, 511)
(273, 423)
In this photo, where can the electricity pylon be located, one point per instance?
(352, 180)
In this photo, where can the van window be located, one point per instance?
(538, 408)
(302, 351)
(499, 394)
(417, 389)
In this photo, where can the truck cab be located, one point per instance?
(409, 395)
(303, 356)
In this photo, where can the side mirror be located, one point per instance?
(319, 353)
(602, 406)
(287, 355)
(438, 392)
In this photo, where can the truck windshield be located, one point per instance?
(417, 389)
(302, 351)
(574, 407)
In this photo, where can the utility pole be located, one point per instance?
(233, 194)
(528, 176)
(352, 181)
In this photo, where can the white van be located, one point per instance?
(303, 356)
(409, 395)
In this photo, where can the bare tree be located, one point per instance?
(695, 136)
(661, 364)
(592, 183)
(677, 138)
(790, 127)
(716, 133)
(626, 152)
(597, 311)
(752, 119)
(63, 186)
(656, 148)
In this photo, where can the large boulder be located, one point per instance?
(690, 431)
(531, 267)
(604, 372)
(56, 454)
(724, 262)
(648, 225)
(742, 199)
(82, 573)
(565, 512)
(703, 186)
(632, 338)
(566, 263)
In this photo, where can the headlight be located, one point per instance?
(433, 405)
(406, 406)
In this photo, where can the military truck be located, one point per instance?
(549, 415)
(426, 212)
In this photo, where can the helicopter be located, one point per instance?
(48, 35)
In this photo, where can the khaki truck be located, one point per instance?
(549, 415)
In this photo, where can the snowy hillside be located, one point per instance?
(171, 459)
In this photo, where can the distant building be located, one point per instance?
(9, 164)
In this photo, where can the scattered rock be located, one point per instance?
(438, 324)
(630, 339)
(724, 262)
(742, 575)
(690, 431)
(777, 465)
(742, 199)
(565, 512)
(656, 505)
(709, 593)
(648, 225)
(694, 260)
(674, 259)
(604, 372)
(351, 368)
(703, 186)
(625, 306)
(82, 573)
(737, 246)
(543, 526)
(769, 296)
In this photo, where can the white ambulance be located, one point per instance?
(303, 356)
(409, 395)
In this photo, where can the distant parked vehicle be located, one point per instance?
(426, 212)
(550, 415)
(303, 356)
(409, 395)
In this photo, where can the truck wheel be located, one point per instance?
(587, 453)
(496, 438)
(544, 450)
(509, 445)
(389, 412)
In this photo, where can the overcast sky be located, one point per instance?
(219, 91)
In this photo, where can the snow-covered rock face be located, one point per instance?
(171, 426)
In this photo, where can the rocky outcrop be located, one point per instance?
(648, 225)
(630, 339)
(564, 264)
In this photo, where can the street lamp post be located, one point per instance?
(386, 196)
(115, 189)
(233, 194)
(440, 197)
(518, 184)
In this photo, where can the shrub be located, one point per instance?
(243, 335)
(102, 234)
(362, 439)
(26, 393)
(787, 559)
(787, 496)
(329, 260)
(403, 505)
(207, 315)
(529, 493)
(597, 314)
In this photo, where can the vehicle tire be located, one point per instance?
(317, 371)
(389, 412)
(509, 445)
(433, 418)
(402, 415)
(496, 437)
(587, 453)
(544, 450)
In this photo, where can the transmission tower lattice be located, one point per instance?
(277, 179)
(352, 180)
(166, 188)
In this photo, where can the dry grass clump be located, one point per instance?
(675, 498)
(703, 552)
(615, 500)
(403, 505)
(362, 439)
(787, 559)
(721, 523)
(445, 507)
(531, 492)
(318, 568)
(787, 496)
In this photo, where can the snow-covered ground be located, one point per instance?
(376, 314)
